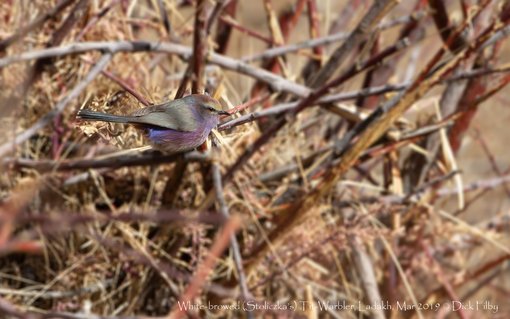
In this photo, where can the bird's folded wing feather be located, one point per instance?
(175, 115)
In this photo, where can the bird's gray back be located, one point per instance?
(179, 115)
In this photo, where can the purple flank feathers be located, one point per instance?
(176, 141)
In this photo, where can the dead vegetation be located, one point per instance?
(363, 173)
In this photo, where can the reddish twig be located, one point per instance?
(231, 22)
(199, 47)
(200, 277)
(326, 40)
(376, 12)
(479, 137)
(249, 104)
(309, 100)
(164, 18)
(224, 30)
(382, 72)
(367, 132)
(123, 84)
(313, 21)
(442, 21)
(93, 21)
(280, 29)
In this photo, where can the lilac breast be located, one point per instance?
(178, 141)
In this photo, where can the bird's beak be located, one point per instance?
(221, 112)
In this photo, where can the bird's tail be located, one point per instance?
(89, 115)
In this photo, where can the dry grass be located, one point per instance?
(94, 225)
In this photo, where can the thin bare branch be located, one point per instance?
(373, 16)
(59, 108)
(116, 161)
(276, 82)
(234, 244)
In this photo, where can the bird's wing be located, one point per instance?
(175, 115)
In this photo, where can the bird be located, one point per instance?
(176, 126)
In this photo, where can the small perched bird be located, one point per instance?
(176, 126)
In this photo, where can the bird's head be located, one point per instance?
(208, 105)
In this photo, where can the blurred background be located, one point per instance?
(94, 224)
